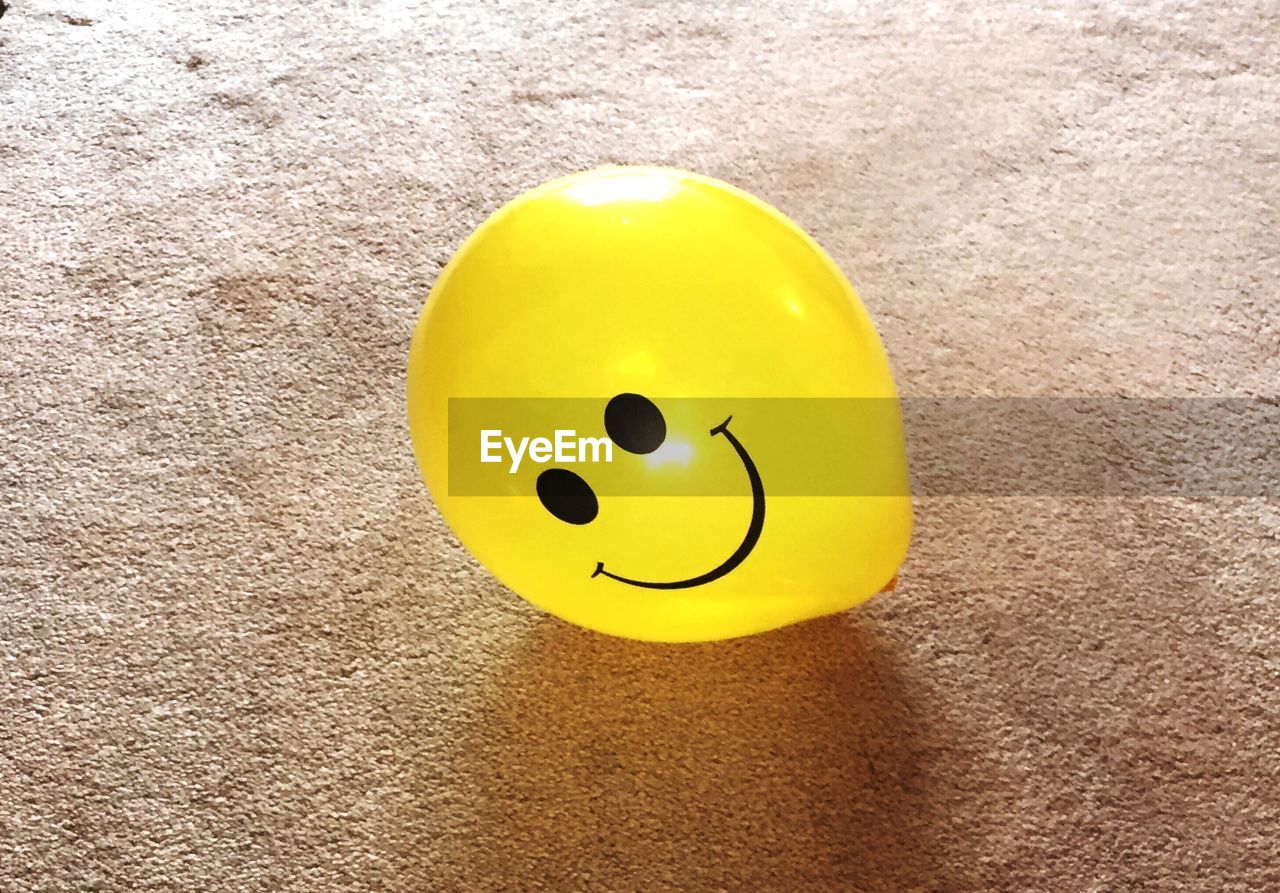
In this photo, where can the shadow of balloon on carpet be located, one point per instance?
(790, 760)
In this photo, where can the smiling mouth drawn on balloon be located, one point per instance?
(635, 424)
(748, 542)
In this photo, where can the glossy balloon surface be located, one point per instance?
(659, 304)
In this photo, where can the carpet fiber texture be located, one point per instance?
(240, 651)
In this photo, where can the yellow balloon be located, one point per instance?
(713, 351)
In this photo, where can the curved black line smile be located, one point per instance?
(748, 541)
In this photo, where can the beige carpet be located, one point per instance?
(238, 649)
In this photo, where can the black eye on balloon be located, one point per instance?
(567, 496)
(634, 423)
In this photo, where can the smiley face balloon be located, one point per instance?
(642, 399)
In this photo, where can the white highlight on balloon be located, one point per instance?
(672, 451)
(627, 186)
